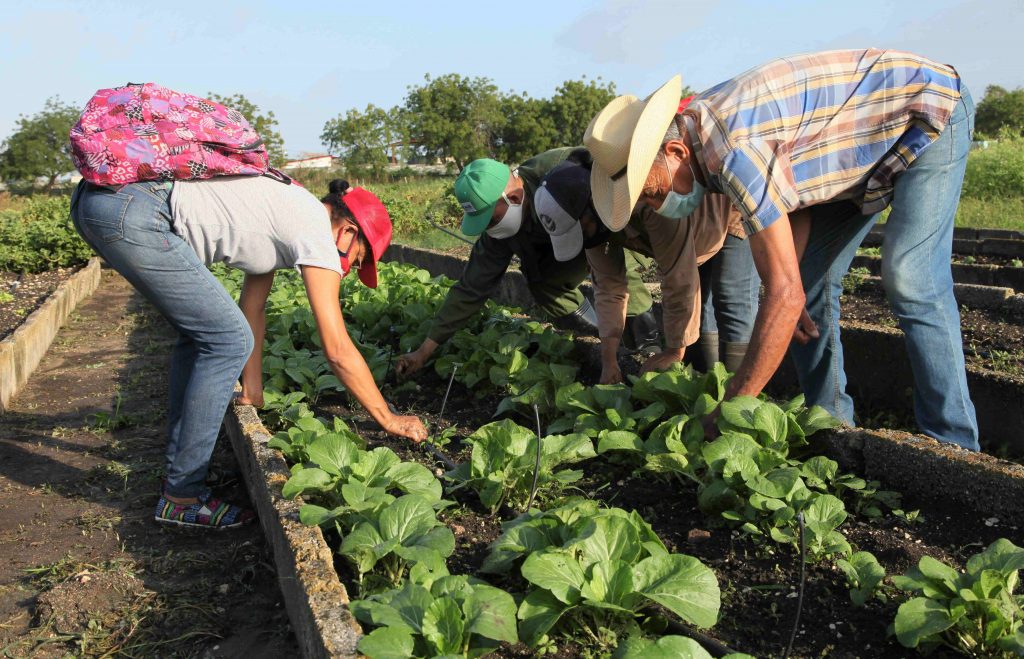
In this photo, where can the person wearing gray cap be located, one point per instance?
(498, 205)
(565, 209)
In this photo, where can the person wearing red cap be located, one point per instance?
(161, 236)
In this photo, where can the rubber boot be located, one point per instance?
(583, 320)
(707, 347)
(642, 332)
(733, 353)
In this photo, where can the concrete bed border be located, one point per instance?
(21, 352)
(315, 598)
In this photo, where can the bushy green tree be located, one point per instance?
(39, 148)
(264, 123)
(1000, 110)
(573, 106)
(529, 128)
(361, 139)
(455, 117)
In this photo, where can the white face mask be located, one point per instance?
(509, 225)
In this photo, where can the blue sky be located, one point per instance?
(309, 61)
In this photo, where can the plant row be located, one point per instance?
(598, 574)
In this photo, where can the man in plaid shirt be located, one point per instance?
(810, 149)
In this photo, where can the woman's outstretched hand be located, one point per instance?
(409, 427)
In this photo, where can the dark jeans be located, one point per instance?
(131, 229)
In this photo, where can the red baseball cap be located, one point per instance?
(375, 224)
(686, 101)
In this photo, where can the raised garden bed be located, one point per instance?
(759, 579)
(984, 271)
(53, 296)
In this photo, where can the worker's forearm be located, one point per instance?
(773, 330)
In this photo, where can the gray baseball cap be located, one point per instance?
(560, 201)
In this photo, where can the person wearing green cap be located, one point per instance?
(498, 205)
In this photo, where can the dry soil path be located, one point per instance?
(83, 568)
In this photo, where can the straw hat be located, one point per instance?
(624, 139)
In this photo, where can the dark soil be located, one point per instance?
(992, 339)
(84, 569)
(21, 294)
(759, 582)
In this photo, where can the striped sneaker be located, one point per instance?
(208, 513)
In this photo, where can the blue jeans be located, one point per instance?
(918, 282)
(729, 288)
(131, 230)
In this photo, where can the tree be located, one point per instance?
(454, 117)
(39, 146)
(528, 130)
(362, 138)
(264, 124)
(573, 106)
(1000, 110)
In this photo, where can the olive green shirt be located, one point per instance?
(490, 257)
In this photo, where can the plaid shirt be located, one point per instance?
(808, 129)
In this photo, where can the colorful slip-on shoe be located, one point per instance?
(208, 513)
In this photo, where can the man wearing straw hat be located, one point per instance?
(810, 149)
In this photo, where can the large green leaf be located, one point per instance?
(360, 546)
(682, 584)
(538, 613)
(305, 480)
(443, 626)
(556, 572)
(334, 453)
(414, 478)
(778, 483)
(771, 424)
(824, 515)
(373, 466)
(609, 538)
(311, 515)
(619, 440)
(666, 647)
(410, 516)
(738, 413)
(387, 643)
(491, 612)
(610, 585)
(1001, 555)
(920, 619)
(816, 418)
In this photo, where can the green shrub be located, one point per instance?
(39, 236)
(996, 172)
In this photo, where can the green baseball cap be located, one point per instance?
(478, 189)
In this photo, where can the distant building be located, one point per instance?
(312, 161)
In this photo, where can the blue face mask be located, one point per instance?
(678, 206)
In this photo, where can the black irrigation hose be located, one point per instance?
(714, 647)
(450, 233)
(451, 380)
(536, 467)
(440, 455)
(803, 581)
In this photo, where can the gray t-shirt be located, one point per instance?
(253, 223)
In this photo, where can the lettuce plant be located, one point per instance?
(454, 616)
(864, 575)
(977, 612)
(594, 570)
(503, 461)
